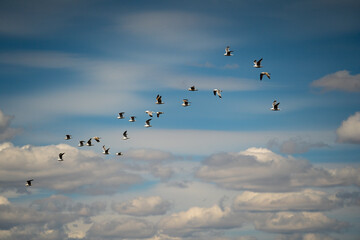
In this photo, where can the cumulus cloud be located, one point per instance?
(306, 200)
(301, 222)
(295, 145)
(6, 132)
(341, 80)
(40, 163)
(349, 131)
(259, 169)
(198, 219)
(121, 229)
(143, 206)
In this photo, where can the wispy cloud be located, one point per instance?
(6, 132)
(341, 81)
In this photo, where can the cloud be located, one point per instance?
(197, 219)
(341, 80)
(6, 132)
(259, 169)
(295, 145)
(142, 206)
(306, 200)
(4, 201)
(121, 229)
(349, 131)
(40, 163)
(299, 222)
(307, 236)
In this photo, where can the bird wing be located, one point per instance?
(261, 75)
(267, 74)
(259, 62)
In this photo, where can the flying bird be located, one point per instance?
(61, 157)
(264, 73)
(158, 99)
(119, 153)
(106, 150)
(147, 123)
(125, 136)
(159, 113)
(28, 182)
(228, 52)
(67, 137)
(185, 103)
(81, 143)
(275, 106)
(192, 89)
(257, 64)
(121, 115)
(97, 139)
(132, 119)
(150, 113)
(88, 143)
(218, 92)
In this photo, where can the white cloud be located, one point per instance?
(295, 145)
(6, 132)
(349, 131)
(40, 163)
(341, 80)
(259, 169)
(127, 228)
(142, 206)
(306, 200)
(289, 222)
(199, 219)
(4, 201)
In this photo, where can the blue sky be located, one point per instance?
(228, 168)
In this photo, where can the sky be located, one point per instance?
(220, 169)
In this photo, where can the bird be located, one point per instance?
(121, 115)
(88, 143)
(67, 137)
(257, 64)
(81, 143)
(125, 137)
(192, 89)
(275, 106)
(159, 113)
(97, 139)
(28, 182)
(158, 99)
(264, 73)
(132, 119)
(185, 103)
(119, 153)
(106, 150)
(147, 123)
(61, 157)
(150, 113)
(228, 52)
(218, 92)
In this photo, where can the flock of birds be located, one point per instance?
(185, 103)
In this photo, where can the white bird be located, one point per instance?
(185, 103)
(97, 139)
(218, 92)
(147, 123)
(67, 137)
(132, 119)
(88, 143)
(61, 157)
(192, 89)
(150, 113)
(275, 106)
(106, 150)
(121, 115)
(125, 136)
(257, 64)
(28, 182)
(81, 143)
(158, 99)
(228, 52)
(264, 73)
(119, 153)
(159, 113)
